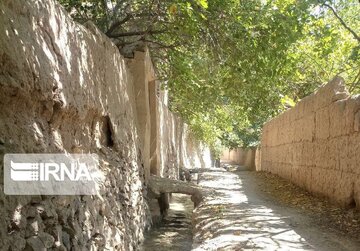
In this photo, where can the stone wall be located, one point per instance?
(316, 144)
(240, 156)
(65, 88)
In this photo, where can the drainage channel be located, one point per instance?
(175, 231)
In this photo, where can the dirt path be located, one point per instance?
(342, 220)
(241, 216)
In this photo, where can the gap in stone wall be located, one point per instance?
(107, 132)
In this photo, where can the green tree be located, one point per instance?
(231, 65)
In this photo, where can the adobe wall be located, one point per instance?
(240, 156)
(316, 144)
(176, 146)
(65, 88)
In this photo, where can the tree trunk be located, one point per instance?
(160, 185)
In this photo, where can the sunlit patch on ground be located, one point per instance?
(239, 215)
(227, 221)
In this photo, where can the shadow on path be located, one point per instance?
(241, 217)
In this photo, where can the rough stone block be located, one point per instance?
(41, 242)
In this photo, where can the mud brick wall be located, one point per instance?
(65, 87)
(176, 146)
(316, 144)
(240, 156)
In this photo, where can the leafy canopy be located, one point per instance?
(231, 65)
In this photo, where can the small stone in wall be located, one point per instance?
(17, 242)
(65, 238)
(99, 239)
(32, 229)
(40, 242)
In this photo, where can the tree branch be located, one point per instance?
(356, 36)
(117, 24)
(161, 45)
(135, 33)
(355, 82)
(104, 5)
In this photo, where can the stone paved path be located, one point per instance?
(241, 217)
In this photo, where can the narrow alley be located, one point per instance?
(241, 215)
(151, 125)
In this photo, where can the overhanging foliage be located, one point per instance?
(231, 65)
